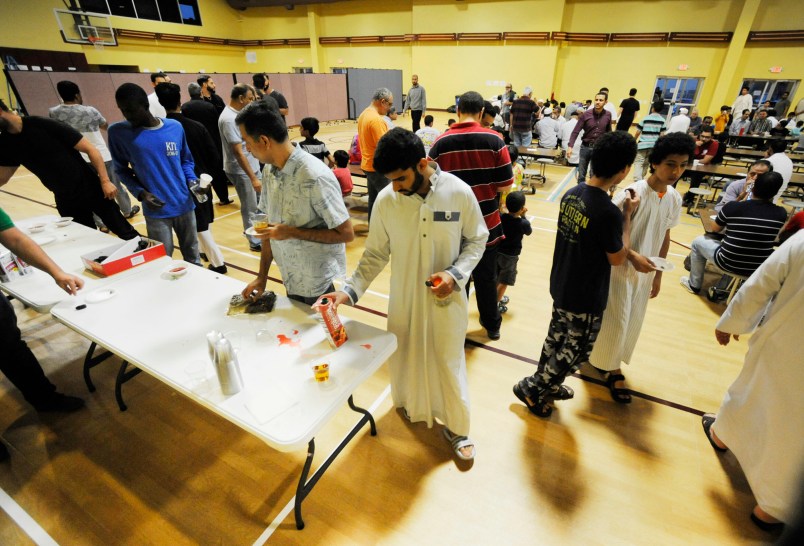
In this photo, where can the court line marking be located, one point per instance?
(25, 521)
(562, 185)
(280, 517)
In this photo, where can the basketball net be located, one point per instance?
(96, 41)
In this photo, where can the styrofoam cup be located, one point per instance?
(206, 180)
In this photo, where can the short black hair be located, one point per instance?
(725, 107)
(602, 93)
(612, 153)
(3, 106)
(470, 102)
(632, 92)
(428, 119)
(258, 119)
(513, 153)
(203, 79)
(240, 90)
(603, 90)
(341, 158)
(764, 162)
(156, 75)
(672, 144)
(707, 129)
(67, 90)
(777, 146)
(489, 109)
(562, 104)
(310, 125)
(767, 185)
(258, 80)
(746, 111)
(657, 106)
(398, 149)
(744, 87)
(450, 121)
(169, 95)
(131, 93)
(514, 201)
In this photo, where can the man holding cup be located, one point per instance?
(152, 159)
(307, 223)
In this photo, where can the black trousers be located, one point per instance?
(375, 182)
(416, 116)
(17, 362)
(485, 279)
(82, 203)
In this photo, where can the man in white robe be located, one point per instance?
(430, 222)
(637, 280)
(761, 418)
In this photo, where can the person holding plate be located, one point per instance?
(629, 291)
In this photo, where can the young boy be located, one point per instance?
(592, 236)
(311, 145)
(515, 225)
(341, 172)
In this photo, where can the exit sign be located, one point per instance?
(776, 69)
(683, 67)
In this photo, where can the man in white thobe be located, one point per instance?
(430, 222)
(762, 414)
(638, 279)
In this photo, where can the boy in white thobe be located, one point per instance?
(762, 414)
(637, 280)
(430, 222)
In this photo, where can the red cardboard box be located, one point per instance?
(122, 256)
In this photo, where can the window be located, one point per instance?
(168, 11)
(770, 90)
(302, 70)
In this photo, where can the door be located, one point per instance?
(677, 93)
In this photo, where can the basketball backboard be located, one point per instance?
(78, 27)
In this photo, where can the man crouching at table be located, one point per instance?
(18, 363)
(308, 223)
(430, 221)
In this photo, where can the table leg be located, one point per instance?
(92, 361)
(122, 377)
(305, 487)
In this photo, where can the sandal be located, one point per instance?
(767, 526)
(707, 420)
(562, 392)
(458, 443)
(539, 408)
(619, 395)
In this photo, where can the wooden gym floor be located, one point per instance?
(169, 472)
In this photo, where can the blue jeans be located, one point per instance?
(161, 229)
(521, 138)
(248, 200)
(583, 163)
(703, 250)
(122, 198)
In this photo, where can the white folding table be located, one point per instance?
(159, 325)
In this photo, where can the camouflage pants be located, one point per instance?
(569, 343)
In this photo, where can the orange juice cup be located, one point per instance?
(321, 372)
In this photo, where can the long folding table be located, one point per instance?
(158, 324)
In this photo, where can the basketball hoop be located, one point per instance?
(96, 41)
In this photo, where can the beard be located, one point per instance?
(418, 181)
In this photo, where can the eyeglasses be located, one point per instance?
(508, 87)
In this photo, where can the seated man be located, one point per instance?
(705, 152)
(752, 229)
(741, 189)
(781, 164)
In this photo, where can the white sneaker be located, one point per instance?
(685, 282)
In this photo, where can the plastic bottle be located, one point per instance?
(441, 301)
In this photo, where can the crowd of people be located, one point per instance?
(447, 204)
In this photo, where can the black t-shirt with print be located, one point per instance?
(589, 227)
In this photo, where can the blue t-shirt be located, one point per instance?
(156, 160)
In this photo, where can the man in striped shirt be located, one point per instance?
(752, 229)
(480, 158)
(648, 132)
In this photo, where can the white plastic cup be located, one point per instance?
(206, 180)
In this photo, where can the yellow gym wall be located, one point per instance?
(571, 70)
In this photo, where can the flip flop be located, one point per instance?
(562, 393)
(707, 421)
(458, 442)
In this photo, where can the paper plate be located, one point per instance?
(64, 221)
(43, 240)
(100, 295)
(713, 217)
(251, 231)
(662, 264)
(176, 270)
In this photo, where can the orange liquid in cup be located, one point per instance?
(321, 372)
